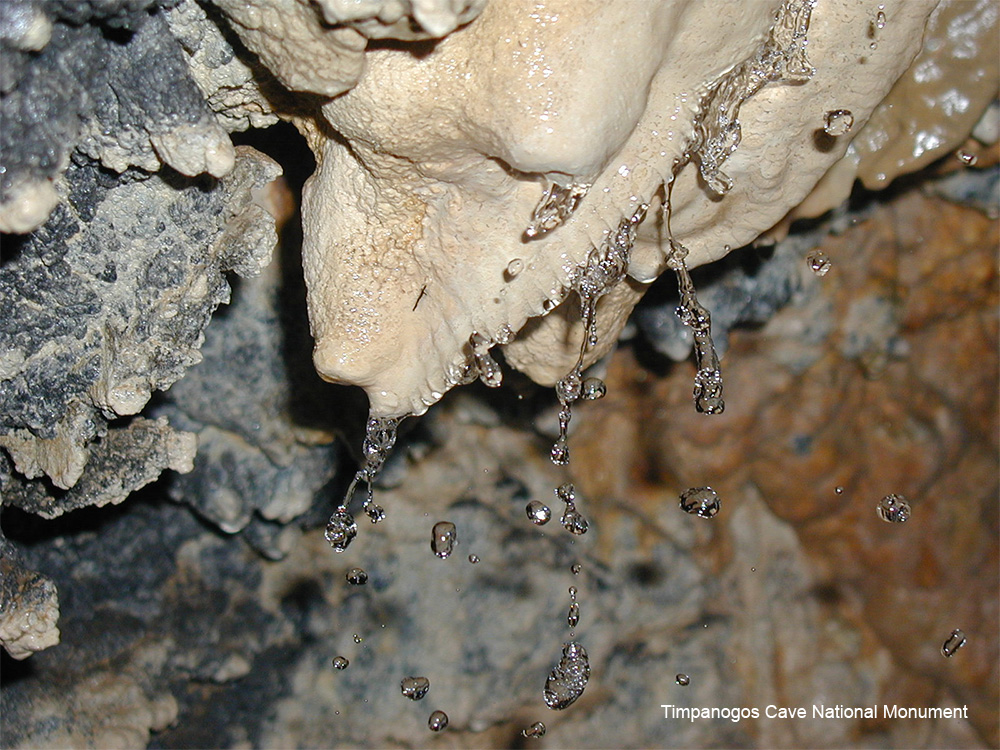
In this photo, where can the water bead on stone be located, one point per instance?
(357, 577)
(534, 731)
(967, 158)
(701, 501)
(341, 530)
(443, 539)
(340, 662)
(568, 679)
(955, 641)
(414, 688)
(538, 512)
(838, 122)
(437, 721)
(683, 679)
(893, 509)
(514, 268)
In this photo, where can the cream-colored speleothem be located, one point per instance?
(417, 212)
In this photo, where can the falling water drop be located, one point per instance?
(573, 616)
(341, 529)
(893, 509)
(593, 389)
(443, 539)
(880, 20)
(357, 638)
(819, 264)
(340, 662)
(357, 577)
(576, 568)
(534, 731)
(568, 679)
(838, 122)
(489, 371)
(538, 512)
(955, 641)
(683, 679)
(701, 501)
(560, 452)
(437, 721)
(574, 521)
(414, 688)
(839, 490)
(473, 559)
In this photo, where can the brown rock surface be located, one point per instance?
(880, 378)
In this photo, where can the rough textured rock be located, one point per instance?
(105, 76)
(107, 303)
(29, 606)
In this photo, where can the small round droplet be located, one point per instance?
(357, 577)
(594, 389)
(838, 122)
(473, 559)
(341, 530)
(535, 730)
(572, 592)
(893, 509)
(701, 501)
(576, 568)
(375, 512)
(566, 493)
(753, 569)
(538, 512)
(443, 539)
(437, 721)
(839, 490)
(967, 158)
(955, 641)
(514, 268)
(340, 662)
(573, 616)
(683, 679)
(819, 264)
(357, 638)
(414, 688)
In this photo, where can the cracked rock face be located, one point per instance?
(415, 220)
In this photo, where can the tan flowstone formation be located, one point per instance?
(462, 183)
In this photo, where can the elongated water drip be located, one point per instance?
(380, 437)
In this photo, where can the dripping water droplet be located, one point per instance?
(593, 389)
(839, 490)
(893, 509)
(473, 559)
(560, 452)
(880, 20)
(955, 641)
(357, 638)
(437, 721)
(683, 679)
(819, 264)
(414, 688)
(340, 662)
(538, 512)
(575, 570)
(357, 577)
(838, 122)
(341, 529)
(443, 539)
(701, 501)
(573, 616)
(568, 679)
(534, 731)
